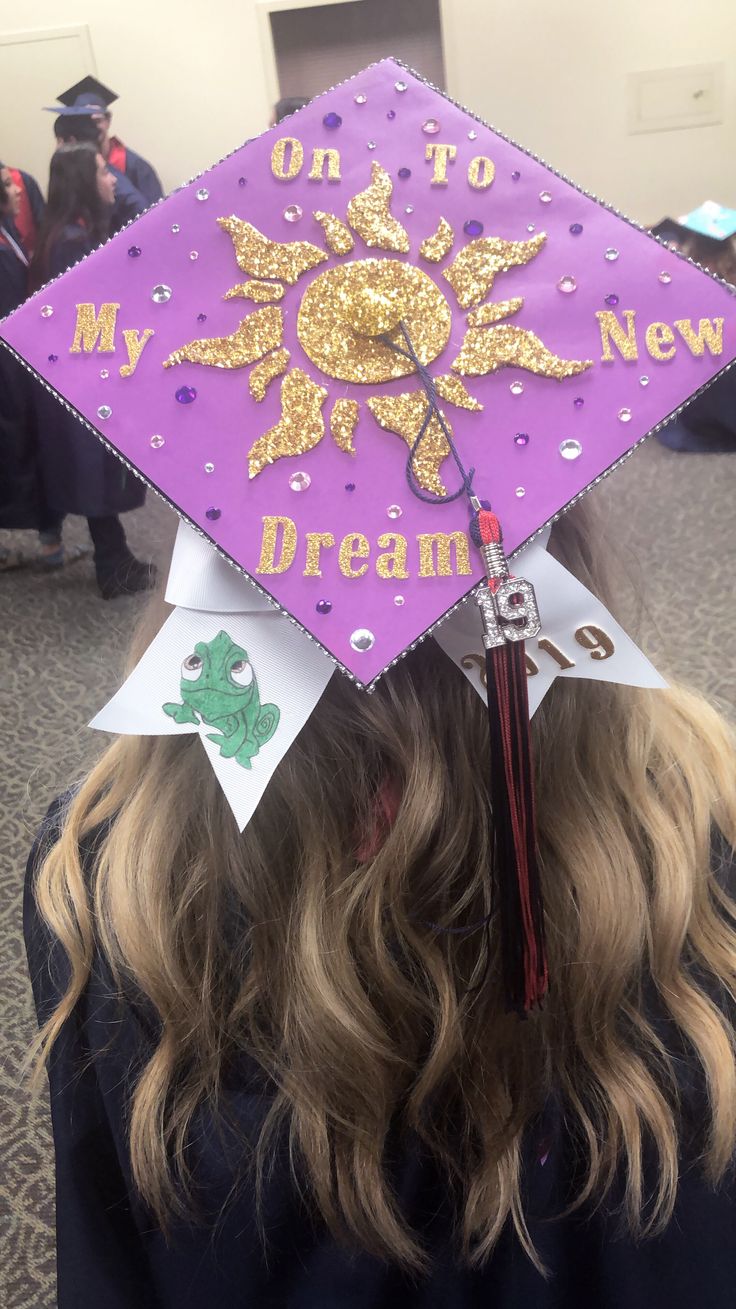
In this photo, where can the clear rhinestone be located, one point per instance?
(530, 227)
(300, 481)
(394, 511)
(400, 86)
(104, 412)
(430, 127)
(567, 284)
(362, 639)
(209, 468)
(611, 254)
(644, 380)
(665, 278)
(156, 442)
(194, 254)
(360, 99)
(104, 374)
(624, 415)
(516, 388)
(520, 492)
(371, 145)
(203, 193)
(398, 600)
(293, 213)
(409, 209)
(570, 449)
(46, 311)
(161, 293)
(175, 228)
(472, 135)
(545, 197)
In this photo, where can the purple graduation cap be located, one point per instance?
(336, 349)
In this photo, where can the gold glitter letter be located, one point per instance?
(343, 419)
(264, 373)
(472, 271)
(441, 566)
(315, 542)
(260, 257)
(658, 335)
(134, 344)
(442, 155)
(393, 563)
(278, 158)
(709, 334)
(370, 217)
(434, 248)
(612, 331)
(267, 562)
(300, 428)
(320, 157)
(257, 334)
(481, 172)
(485, 350)
(353, 546)
(338, 237)
(91, 328)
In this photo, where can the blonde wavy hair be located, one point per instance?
(317, 953)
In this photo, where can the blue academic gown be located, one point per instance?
(111, 1252)
(129, 202)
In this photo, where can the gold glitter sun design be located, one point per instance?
(351, 314)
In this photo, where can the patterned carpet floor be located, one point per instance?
(63, 652)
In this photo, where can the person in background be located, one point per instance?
(30, 208)
(288, 105)
(91, 96)
(83, 128)
(22, 505)
(80, 476)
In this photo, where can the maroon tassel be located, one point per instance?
(509, 613)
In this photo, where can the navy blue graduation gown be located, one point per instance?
(111, 1253)
(129, 202)
(137, 169)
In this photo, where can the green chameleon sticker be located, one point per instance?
(218, 687)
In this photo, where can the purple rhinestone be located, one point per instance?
(134, 251)
(391, 114)
(350, 486)
(576, 229)
(515, 175)
(323, 606)
(578, 402)
(53, 359)
(201, 318)
(242, 181)
(212, 513)
(473, 227)
(611, 299)
(521, 438)
(404, 173)
(186, 394)
(332, 120)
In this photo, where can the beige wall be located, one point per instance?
(551, 73)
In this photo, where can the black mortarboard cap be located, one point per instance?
(87, 96)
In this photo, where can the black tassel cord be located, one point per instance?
(508, 613)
